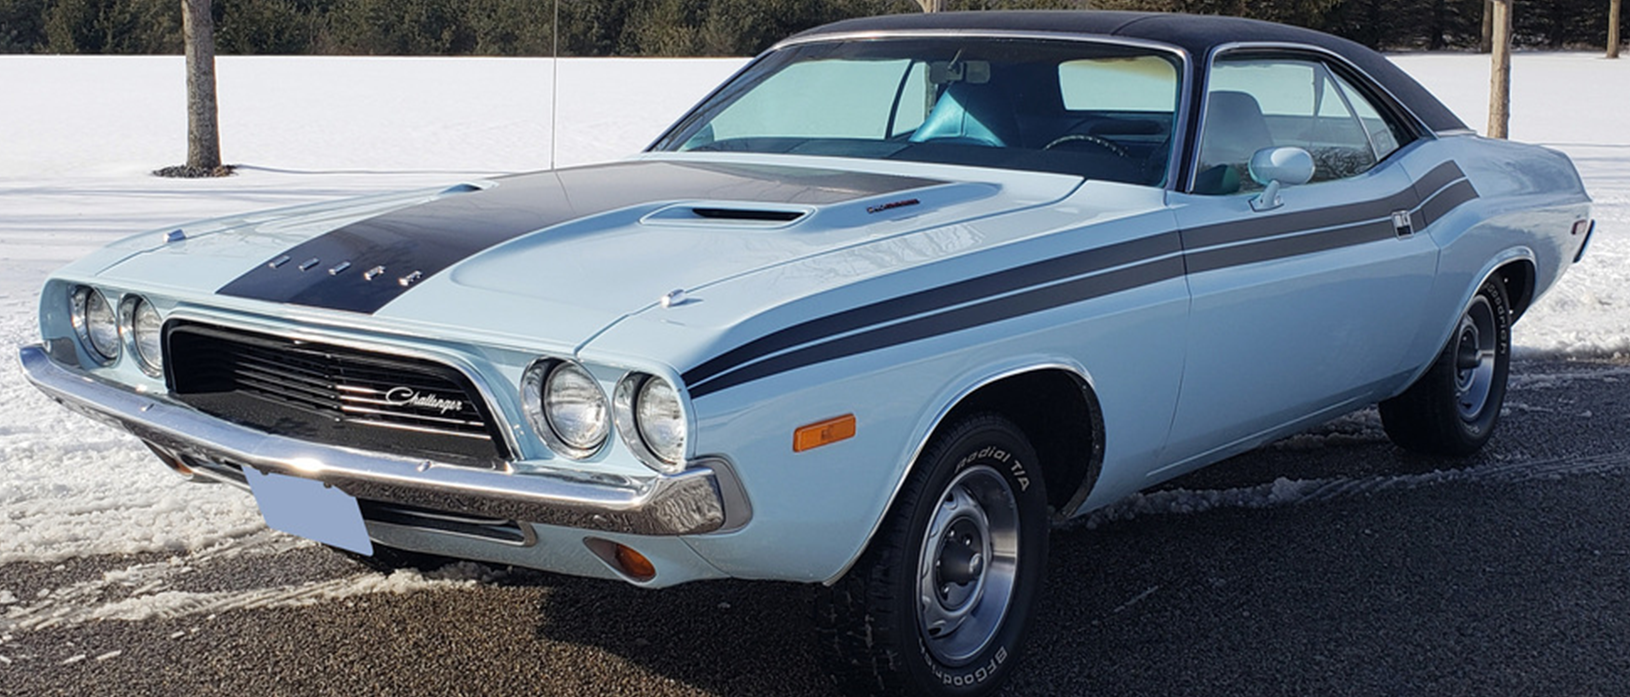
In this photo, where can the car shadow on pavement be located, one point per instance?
(722, 637)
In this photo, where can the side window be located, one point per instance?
(1254, 103)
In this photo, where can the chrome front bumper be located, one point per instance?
(704, 498)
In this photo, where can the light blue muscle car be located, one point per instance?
(891, 301)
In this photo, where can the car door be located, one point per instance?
(1302, 305)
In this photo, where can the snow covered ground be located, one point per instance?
(79, 134)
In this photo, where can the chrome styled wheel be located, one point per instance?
(965, 575)
(1474, 358)
(1453, 407)
(940, 602)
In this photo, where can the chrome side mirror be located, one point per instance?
(1275, 168)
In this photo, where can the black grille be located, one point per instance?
(331, 394)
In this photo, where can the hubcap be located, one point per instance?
(1474, 359)
(969, 559)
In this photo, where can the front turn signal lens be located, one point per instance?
(822, 433)
(635, 564)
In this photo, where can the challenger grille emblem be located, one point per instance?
(409, 397)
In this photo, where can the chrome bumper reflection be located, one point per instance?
(691, 502)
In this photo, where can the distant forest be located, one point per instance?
(690, 27)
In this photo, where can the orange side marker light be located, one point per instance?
(822, 433)
(635, 564)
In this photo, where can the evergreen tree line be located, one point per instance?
(689, 27)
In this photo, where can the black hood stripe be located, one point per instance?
(363, 266)
(1089, 274)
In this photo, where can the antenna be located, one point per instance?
(554, 86)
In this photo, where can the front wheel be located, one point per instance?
(940, 602)
(1453, 408)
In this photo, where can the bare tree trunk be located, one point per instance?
(1487, 43)
(1500, 80)
(1613, 28)
(203, 132)
(932, 5)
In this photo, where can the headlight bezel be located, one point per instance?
(535, 386)
(80, 299)
(634, 387)
(130, 327)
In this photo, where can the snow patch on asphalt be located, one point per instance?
(145, 591)
(1290, 492)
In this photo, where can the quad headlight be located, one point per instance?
(94, 323)
(651, 420)
(142, 325)
(564, 404)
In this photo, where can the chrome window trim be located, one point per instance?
(1079, 496)
(1180, 115)
(1315, 53)
(329, 336)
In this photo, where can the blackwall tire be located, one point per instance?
(940, 603)
(1453, 408)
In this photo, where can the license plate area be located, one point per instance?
(310, 509)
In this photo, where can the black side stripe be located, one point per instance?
(1440, 176)
(1254, 228)
(1380, 227)
(1212, 247)
(978, 314)
(938, 298)
(1268, 250)
(1448, 199)
(1346, 214)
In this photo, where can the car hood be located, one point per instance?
(564, 254)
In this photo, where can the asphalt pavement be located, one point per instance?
(1330, 563)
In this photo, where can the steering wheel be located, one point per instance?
(1113, 148)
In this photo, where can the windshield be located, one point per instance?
(1101, 111)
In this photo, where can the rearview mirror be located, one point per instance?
(1275, 168)
(971, 72)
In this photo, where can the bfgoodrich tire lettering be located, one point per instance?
(1453, 408)
(941, 601)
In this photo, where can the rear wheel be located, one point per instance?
(1453, 408)
(940, 602)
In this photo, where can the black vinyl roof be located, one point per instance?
(1197, 34)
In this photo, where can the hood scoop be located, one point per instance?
(735, 215)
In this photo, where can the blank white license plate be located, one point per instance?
(308, 508)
